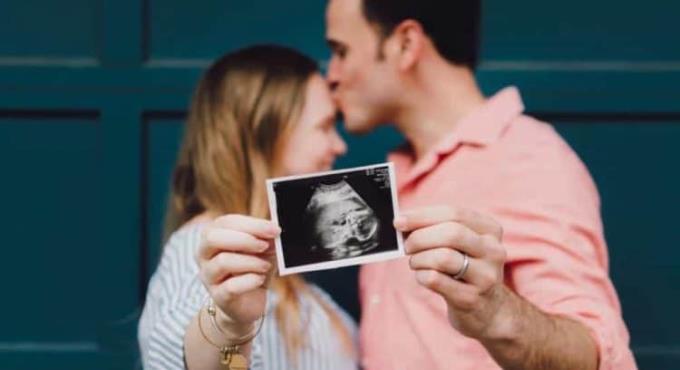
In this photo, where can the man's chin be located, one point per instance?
(357, 127)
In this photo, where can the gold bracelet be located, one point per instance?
(231, 353)
(212, 312)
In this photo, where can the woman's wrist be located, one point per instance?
(233, 331)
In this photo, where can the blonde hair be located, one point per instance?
(241, 113)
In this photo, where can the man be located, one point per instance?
(534, 294)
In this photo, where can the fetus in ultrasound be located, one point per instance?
(341, 222)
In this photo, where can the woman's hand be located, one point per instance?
(235, 258)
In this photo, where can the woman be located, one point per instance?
(257, 113)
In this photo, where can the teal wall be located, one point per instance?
(92, 99)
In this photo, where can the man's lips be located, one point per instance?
(337, 99)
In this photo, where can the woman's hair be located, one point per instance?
(241, 114)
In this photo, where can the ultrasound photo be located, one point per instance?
(335, 219)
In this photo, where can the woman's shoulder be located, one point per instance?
(179, 251)
(186, 236)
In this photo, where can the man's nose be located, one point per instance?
(333, 75)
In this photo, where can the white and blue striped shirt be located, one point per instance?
(176, 294)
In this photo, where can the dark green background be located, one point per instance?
(92, 99)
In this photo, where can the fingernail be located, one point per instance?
(274, 230)
(400, 222)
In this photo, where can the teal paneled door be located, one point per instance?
(93, 95)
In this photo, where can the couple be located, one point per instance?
(534, 294)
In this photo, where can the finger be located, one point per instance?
(494, 251)
(448, 234)
(226, 264)
(450, 262)
(240, 284)
(216, 240)
(423, 217)
(258, 227)
(270, 251)
(445, 260)
(464, 297)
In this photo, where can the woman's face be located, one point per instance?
(314, 142)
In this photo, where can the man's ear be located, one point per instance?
(409, 38)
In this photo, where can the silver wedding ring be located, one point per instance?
(464, 268)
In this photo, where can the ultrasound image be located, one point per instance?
(343, 225)
(336, 216)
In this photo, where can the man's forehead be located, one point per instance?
(342, 12)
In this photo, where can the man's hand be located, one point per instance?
(439, 240)
(516, 333)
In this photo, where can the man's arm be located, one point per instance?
(527, 338)
(516, 333)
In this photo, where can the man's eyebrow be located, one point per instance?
(333, 44)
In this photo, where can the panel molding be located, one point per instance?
(40, 113)
(617, 117)
(51, 347)
(657, 351)
(148, 118)
(485, 65)
(188, 63)
(48, 62)
(580, 66)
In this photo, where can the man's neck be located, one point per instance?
(439, 99)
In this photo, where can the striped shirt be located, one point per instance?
(176, 294)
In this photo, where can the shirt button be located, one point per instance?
(375, 299)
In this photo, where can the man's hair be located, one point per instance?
(452, 25)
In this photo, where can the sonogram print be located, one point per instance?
(342, 223)
(335, 219)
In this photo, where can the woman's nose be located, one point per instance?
(339, 145)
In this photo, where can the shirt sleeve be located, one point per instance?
(175, 295)
(557, 255)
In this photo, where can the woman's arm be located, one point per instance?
(234, 259)
(202, 355)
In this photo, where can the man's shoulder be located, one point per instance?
(528, 129)
(528, 137)
(533, 152)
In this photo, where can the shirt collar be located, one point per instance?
(480, 127)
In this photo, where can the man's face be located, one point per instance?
(364, 84)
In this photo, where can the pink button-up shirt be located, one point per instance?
(519, 171)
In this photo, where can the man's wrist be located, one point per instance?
(505, 334)
(505, 325)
